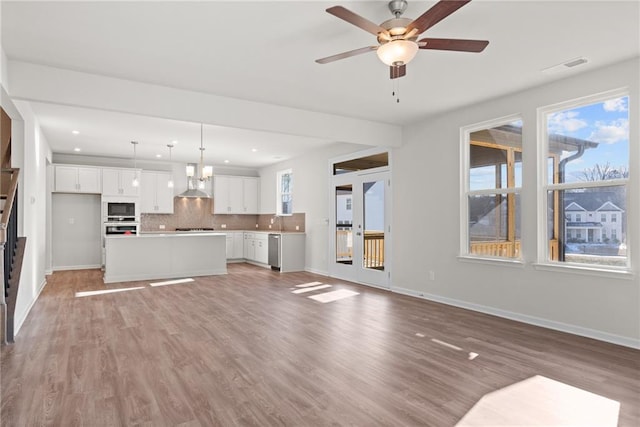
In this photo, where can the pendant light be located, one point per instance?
(135, 181)
(198, 174)
(170, 182)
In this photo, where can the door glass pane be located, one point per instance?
(373, 209)
(344, 224)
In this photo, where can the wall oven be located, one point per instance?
(120, 212)
(122, 229)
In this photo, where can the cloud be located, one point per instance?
(565, 122)
(618, 104)
(610, 132)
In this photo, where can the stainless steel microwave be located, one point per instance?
(121, 211)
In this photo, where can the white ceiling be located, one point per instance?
(265, 50)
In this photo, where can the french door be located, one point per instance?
(360, 230)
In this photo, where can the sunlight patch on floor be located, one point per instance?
(334, 295)
(314, 288)
(306, 285)
(541, 401)
(105, 291)
(172, 282)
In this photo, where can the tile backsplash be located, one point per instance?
(196, 213)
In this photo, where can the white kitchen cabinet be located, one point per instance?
(238, 245)
(256, 247)
(119, 182)
(156, 196)
(262, 249)
(250, 195)
(77, 179)
(249, 248)
(235, 195)
(235, 245)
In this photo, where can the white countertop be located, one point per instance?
(154, 234)
(217, 232)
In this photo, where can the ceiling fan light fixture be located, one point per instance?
(397, 52)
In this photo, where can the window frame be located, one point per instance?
(465, 192)
(543, 258)
(279, 193)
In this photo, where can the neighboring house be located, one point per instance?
(594, 217)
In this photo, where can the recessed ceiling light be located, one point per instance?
(75, 132)
(158, 155)
(76, 149)
(277, 157)
(226, 161)
(174, 142)
(254, 149)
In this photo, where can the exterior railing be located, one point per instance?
(496, 249)
(373, 249)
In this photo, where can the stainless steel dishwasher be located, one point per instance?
(274, 251)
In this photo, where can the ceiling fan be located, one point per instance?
(398, 37)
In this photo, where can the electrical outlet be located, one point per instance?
(223, 225)
(256, 225)
(297, 228)
(72, 221)
(269, 226)
(161, 227)
(271, 221)
(432, 275)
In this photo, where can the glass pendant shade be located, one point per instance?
(191, 171)
(397, 52)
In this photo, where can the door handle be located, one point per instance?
(358, 234)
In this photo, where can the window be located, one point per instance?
(492, 157)
(578, 218)
(588, 141)
(603, 218)
(284, 198)
(348, 204)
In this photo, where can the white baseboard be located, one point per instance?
(315, 271)
(17, 322)
(76, 267)
(532, 320)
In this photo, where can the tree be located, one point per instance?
(604, 172)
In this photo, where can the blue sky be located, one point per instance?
(606, 123)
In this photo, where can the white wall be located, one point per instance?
(426, 174)
(77, 228)
(33, 206)
(310, 196)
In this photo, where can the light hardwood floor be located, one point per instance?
(243, 350)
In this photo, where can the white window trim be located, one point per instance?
(465, 132)
(544, 186)
(279, 192)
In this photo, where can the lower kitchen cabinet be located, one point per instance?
(256, 247)
(235, 245)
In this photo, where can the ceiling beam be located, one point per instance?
(33, 82)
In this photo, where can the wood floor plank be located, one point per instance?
(242, 350)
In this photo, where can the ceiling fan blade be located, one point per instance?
(437, 13)
(459, 45)
(397, 71)
(344, 55)
(357, 20)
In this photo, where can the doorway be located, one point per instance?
(360, 226)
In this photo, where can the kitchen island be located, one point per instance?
(164, 256)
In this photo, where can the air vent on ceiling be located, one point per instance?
(567, 65)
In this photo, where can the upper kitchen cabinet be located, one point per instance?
(235, 195)
(119, 182)
(156, 195)
(77, 179)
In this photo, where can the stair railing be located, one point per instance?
(8, 234)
